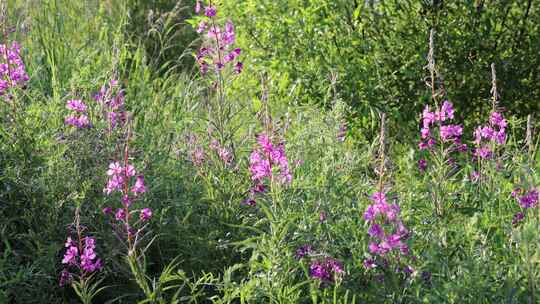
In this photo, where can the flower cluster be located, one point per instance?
(527, 200)
(12, 68)
(326, 269)
(494, 132)
(266, 157)
(79, 120)
(433, 124)
(112, 99)
(224, 154)
(303, 251)
(81, 256)
(388, 234)
(126, 181)
(218, 51)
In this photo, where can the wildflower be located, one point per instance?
(12, 70)
(267, 156)
(325, 269)
(71, 254)
(76, 105)
(139, 185)
(422, 165)
(518, 217)
(65, 277)
(303, 251)
(369, 263)
(126, 200)
(529, 199)
(146, 214)
(120, 214)
(114, 169)
(238, 67)
(210, 11)
(450, 131)
(197, 7)
(107, 210)
(249, 202)
(202, 26)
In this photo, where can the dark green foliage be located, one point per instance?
(377, 50)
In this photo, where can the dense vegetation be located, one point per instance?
(263, 151)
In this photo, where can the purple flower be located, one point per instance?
(450, 131)
(120, 214)
(376, 231)
(529, 199)
(369, 264)
(146, 214)
(202, 27)
(325, 270)
(518, 217)
(238, 67)
(130, 171)
(303, 251)
(70, 256)
(210, 11)
(126, 200)
(89, 260)
(422, 165)
(198, 7)
(76, 105)
(249, 202)
(139, 185)
(428, 117)
(107, 210)
(65, 277)
(114, 169)
(497, 119)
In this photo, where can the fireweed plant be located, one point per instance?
(12, 69)
(489, 140)
(81, 262)
(440, 145)
(389, 260)
(218, 61)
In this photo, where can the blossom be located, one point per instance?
(120, 214)
(325, 269)
(76, 105)
(146, 214)
(518, 217)
(114, 169)
(13, 70)
(529, 199)
(210, 11)
(303, 251)
(450, 131)
(65, 277)
(202, 26)
(238, 67)
(139, 185)
(71, 254)
(422, 165)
